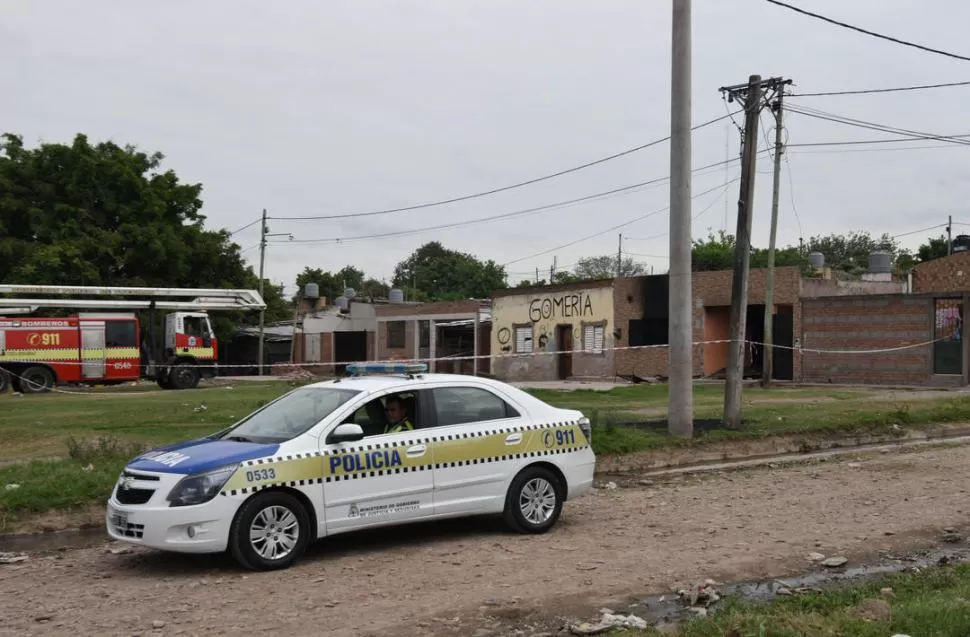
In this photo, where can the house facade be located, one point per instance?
(553, 332)
(451, 336)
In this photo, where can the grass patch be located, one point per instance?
(933, 603)
(103, 428)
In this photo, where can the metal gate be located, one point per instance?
(947, 345)
(92, 351)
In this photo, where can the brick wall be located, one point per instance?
(947, 274)
(866, 323)
(387, 353)
(710, 289)
(427, 309)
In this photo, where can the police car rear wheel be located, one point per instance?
(271, 531)
(534, 501)
(36, 380)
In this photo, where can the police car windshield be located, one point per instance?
(289, 416)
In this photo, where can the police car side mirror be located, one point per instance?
(347, 432)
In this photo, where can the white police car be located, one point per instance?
(317, 462)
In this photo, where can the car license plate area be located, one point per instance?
(120, 521)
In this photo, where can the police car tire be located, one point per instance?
(36, 380)
(241, 548)
(513, 513)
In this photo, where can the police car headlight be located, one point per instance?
(587, 429)
(201, 487)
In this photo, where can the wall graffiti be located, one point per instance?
(577, 305)
(549, 315)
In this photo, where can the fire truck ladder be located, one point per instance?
(202, 299)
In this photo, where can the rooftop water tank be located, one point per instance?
(350, 293)
(396, 296)
(881, 262)
(961, 243)
(342, 302)
(817, 259)
(311, 291)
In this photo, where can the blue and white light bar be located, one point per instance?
(361, 369)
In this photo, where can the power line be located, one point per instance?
(840, 119)
(906, 234)
(497, 190)
(248, 225)
(507, 215)
(871, 141)
(695, 217)
(846, 151)
(613, 228)
(867, 32)
(867, 91)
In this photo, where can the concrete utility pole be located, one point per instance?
(767, 363)
(680, 404)
(742, 254)
(262, 262)
(619, 257)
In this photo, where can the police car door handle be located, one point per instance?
(416, 450)
(513, 439)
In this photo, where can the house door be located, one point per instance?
(783, 333)
(564, 344)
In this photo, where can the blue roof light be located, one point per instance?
(360, 369)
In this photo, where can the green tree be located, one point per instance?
(850, 253)
(717, 253)
(604, 267)
(934, 248)
(103, 214)
(435, 273)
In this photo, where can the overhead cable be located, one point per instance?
(868, 32)
(497, 190)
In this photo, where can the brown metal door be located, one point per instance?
(564, 344)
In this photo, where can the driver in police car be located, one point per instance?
(397, 418)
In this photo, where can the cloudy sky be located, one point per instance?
(328, 108)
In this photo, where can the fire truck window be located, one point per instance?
(196, 326)
(120, 334)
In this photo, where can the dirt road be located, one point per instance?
(459, 577)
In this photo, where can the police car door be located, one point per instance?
(479, 440)
(382, 479)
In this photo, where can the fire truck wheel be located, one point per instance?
(184, 376)
(36, 380)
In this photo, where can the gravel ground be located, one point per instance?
(471, 577)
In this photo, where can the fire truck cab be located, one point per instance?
(112, 347)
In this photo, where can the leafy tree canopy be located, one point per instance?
(604, 267)
(435, 273)
(83, 214)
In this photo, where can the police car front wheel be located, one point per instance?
(534, 501)
(271, 531)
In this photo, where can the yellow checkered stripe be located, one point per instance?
(53, 354)
(198, 352)
(110, 352)
(488, 446)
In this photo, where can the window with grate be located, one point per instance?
(523, 339)
(395, 335)
(593, 338)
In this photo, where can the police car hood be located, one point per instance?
(195, 456)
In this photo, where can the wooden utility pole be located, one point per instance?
(949, 235)
(262, 313)
(619, 257)
(767, 363)
(742, 254)
(680, 330)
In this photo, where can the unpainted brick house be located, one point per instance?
(453, 337)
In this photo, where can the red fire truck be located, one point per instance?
(99, 347)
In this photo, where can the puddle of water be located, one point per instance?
(669, 608)
(54, 541)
